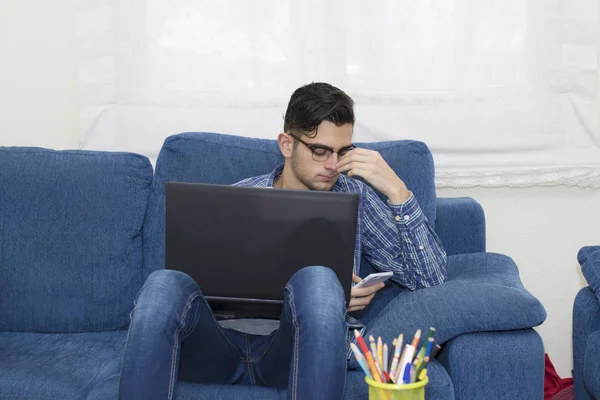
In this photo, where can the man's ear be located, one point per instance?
(286, 144)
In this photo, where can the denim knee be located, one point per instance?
(317, 292)
(165, 292)
(317, 277)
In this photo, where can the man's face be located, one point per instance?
(320, 175)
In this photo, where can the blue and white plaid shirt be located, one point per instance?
(396, 238)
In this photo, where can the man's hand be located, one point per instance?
(361, 297)
(369, 165)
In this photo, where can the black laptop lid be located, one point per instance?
(243, 244)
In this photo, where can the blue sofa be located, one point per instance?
(586, 328)
(80, 231)
(70, 267)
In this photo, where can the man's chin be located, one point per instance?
(322, 186)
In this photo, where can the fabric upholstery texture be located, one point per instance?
(70, 238)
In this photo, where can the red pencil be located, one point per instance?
(368, 356)
(387, 378)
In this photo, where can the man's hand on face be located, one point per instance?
(361, 297)
(369, 165)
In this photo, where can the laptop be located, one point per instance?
(243, 244)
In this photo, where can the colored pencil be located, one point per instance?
(416, 339)
(380, 353)
(368, 356)
(396, 358)
(386, 354)
(360, 359)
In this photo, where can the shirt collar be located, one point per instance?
(274, 175)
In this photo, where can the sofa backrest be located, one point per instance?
(70, 238)
(225, 159)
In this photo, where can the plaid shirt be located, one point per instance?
(396, 238)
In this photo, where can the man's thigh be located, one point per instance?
(311, 323)
(381, 300)
(212, 354)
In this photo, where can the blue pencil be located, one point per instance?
(429, 348)
(360, 359)
(406, 377)
(362, 364)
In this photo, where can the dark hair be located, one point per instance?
(314, 103)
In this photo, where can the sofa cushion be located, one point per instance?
(57, 365)
(460, 225)
(225, 159)
(109, 389)
(483, 292)
(439, 388)
(70, 238)
(586, 320)
(589, 259)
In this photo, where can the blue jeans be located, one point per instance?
(174, 335)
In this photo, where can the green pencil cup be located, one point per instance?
(388, 391)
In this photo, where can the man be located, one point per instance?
(173, 334)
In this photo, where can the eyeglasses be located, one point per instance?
(322, 153)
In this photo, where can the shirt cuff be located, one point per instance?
(408, 215)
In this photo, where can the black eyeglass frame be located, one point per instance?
(314, 148)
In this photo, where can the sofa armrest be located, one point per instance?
(460, 225)
(591, 368)
(496, 365)
(589, 259)
(483, 293)
(586, 320)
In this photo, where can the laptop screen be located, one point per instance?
(242, 244)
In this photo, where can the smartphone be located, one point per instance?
(374, 279)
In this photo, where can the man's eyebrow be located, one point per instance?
(319, 145)
(329, 147)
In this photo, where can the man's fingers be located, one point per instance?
(355, 278)
(367, 300)
(360, 301)
(363, 301)
(355, 171)
(358, 172)
(353, 157)
(346, 166)
(357, 308)
(361, 297)
(367, 290)
(359, 151)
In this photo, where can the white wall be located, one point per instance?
(38, 74)
(541, 228)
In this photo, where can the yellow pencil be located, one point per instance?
(380, 353)
(373, 345)
(368, 356)
(374, 353)
(420, 356)
(396, 359)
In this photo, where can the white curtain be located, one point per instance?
(505, 93)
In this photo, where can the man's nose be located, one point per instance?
(331, 162)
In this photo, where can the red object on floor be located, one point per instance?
(553, 384)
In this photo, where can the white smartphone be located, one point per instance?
(374, 279)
